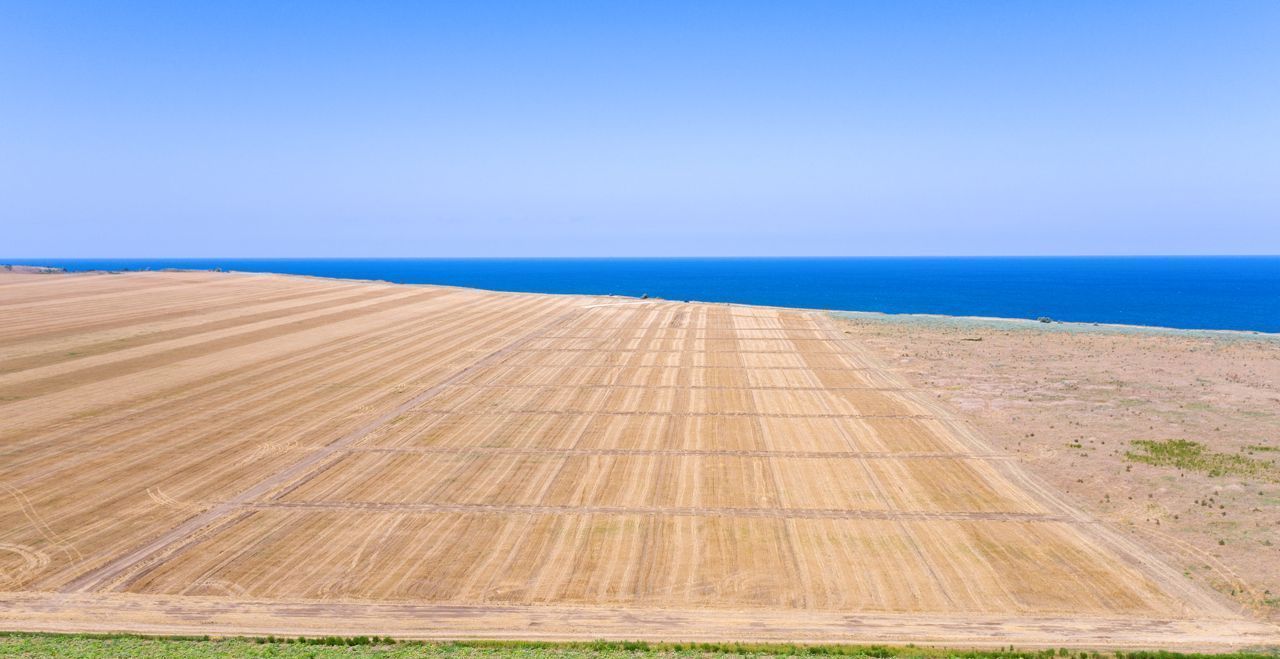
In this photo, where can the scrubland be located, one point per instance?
(1172, 437)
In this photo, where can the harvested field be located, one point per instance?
(229, 453)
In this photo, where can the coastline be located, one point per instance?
(1065, 326)
(958, 321)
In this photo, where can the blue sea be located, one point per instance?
(1239, 293)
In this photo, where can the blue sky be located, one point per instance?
(638, 128)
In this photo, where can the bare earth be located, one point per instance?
(1068, 400)
(225, 453)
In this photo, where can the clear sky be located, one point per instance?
(615, 128)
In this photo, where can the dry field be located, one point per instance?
(1075, 403)
(225, 453)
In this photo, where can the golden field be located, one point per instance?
(230, 453)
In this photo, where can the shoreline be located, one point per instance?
(1065, 326)
(928, 319)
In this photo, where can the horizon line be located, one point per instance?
(16, 260)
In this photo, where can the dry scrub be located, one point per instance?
(1173, 437)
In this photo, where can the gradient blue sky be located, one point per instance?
(638, 128)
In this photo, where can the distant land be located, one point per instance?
(1187, 292)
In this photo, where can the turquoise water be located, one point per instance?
(1241, 293)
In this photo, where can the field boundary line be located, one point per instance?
(760, 415)
(732, 453)
(673, 511)
(697, 387)
(614, 351)
(618, 304)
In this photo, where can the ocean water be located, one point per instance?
(1240, 293)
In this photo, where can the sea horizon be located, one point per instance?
(1196, 292)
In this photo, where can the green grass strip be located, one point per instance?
(94, 646)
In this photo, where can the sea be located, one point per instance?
(1203, 292)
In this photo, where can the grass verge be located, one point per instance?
(93, 646)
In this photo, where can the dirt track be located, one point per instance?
(237, 453)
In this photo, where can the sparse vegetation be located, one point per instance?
(1194, 456)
